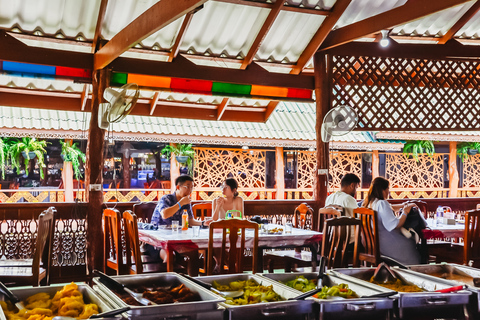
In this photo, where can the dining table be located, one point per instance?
(182, 241)
(444, 231)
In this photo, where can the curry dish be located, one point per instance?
(398, 285)
(161, 295)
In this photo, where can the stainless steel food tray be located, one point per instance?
(275, 310)
(428, 301)
(89, 296)
(208, 301)
(342, 308)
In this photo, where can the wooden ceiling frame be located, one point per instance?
(273, 14)
(269, 5)
(153, 19)
(320, 36)
(411, 10)
(98, 27)
(221, 108)
(270, 108)
(180, 36)
(460, 23)
(84, 97)
(153, 103)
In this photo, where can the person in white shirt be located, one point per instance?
(346, 196)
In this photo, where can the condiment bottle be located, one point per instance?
(185, 220)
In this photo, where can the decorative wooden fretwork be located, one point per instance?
(405, 172)
(342, 163)
(306, 166)
(213, 166)
(471, 172)
(408, 94)
(11, 196)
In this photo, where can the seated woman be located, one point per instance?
(231, 201)
(391, 240)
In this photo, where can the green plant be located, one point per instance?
(71, 153)
(179, 150)
(4, 144)
(23, 147)
(464, 147)
(416, 147)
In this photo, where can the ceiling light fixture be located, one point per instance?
(384, 42)
(245, 147)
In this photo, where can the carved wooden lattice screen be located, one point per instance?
(405, 172)
(471, 172)
(340, 163)
(213, 166)
(408, 94)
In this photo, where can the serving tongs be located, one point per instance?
(114, 284)
(320, 278)
(12, 297)
(107, 314)
(384, 274)
(208, 286)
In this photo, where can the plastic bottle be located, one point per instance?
(184, 220)
(439, 214)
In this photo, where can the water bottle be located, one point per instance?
(439, 214)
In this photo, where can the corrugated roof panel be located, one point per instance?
(471, 29)
(362, 9)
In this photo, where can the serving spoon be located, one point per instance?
(107, 314)
(225, 294)
(11, 296)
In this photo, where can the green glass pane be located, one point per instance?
(231, 88)
(119, 78)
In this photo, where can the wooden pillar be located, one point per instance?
(174, 170)
(375, 164)
(126, 169)
(279, 173)
(67, 177)
(322, 70)
(453, 171)
(94, 175)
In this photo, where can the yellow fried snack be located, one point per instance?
(66, 302)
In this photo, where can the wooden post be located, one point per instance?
(279, 173)
(174, 170)
(126, 169)
(322, 71)
(375, 164)
(94, 175)
(453, 171)
(67, 176)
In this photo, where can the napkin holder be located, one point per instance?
(449, 221)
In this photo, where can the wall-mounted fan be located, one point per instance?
(338, 121)
(120, 104)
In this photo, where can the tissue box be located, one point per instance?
(448, 221)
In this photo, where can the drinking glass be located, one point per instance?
(196, 231)
(288, 227)
(175, 225)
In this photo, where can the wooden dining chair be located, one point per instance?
(202, 210)
(25, 272)
(112, 235)
(336, 241)
(144, 211)
(370, 254)
(471, 246)
(328, 212)
(231, 258)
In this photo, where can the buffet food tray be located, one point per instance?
(89, 296)
(288, 309)
(339, 308)
(208, 303)
(427, 301)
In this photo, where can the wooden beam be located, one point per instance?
(221, 108)
(98, 28)
(155, 18)
(453, 170)
(262, 33)
(180, 36)
(322, 33)
(269, 5)
(154, 102)
(411, 10)
(84, 97)
(270, 108)
(279, 173)
(460, 23)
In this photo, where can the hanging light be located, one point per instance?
(245, 147)
(385, 40)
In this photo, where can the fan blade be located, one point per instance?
(111, 95)
(325, 132)
(102, 115)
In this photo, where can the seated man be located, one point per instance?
(346, 196)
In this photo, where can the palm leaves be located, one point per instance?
(71, 153)
(23, 147)
(464, 148)
(416, 147)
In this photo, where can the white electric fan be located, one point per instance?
(338, 122)
(120, 104)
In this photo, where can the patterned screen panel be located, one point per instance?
(213, 166)
(408, 94)
(405, 172)
(471, 172)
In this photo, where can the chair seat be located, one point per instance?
(6, 272)
(293, 254)
(16, 263)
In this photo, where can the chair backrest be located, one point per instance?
(144, 210)
(166, 185)
(44, 244)
(471, 248)
(202, 210)
(369, 235)
(155, 184)
(336, 238)
(236, 256)
(422, 205)
(328, 212)
(300, 215)
(132, 243)
(111, 237)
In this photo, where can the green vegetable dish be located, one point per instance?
(301, 283)
(252, 292)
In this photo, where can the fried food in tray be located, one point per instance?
(41, 306)
(161, 295)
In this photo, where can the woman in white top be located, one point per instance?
(392, 242)
(231, 201)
